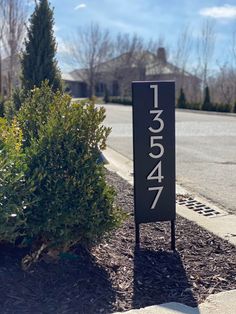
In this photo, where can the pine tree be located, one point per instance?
(38, 60)
(181, 102)
(207, 100)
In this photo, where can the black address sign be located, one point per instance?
(154, 151)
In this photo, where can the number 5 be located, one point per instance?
(159, 145)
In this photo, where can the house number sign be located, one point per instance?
(154, 152)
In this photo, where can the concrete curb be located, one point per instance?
(223, 226)
(216, 113)
(229, 114)
(220, 303)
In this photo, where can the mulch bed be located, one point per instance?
(115, 276)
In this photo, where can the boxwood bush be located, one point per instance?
(13, 191)
(68, 199)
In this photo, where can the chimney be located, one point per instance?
(161, 55)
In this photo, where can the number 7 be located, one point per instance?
(159, 190)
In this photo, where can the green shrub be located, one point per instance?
(13, 192)
(71, 201)
(223, 107)
(18, 98)
(34, 113)
(12, 204)
(12, 105)
(9, 109)
(234, 108)
(53, 192)
(193, 106)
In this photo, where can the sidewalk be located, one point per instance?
(223, 226)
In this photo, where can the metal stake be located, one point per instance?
(137, 235)
(173, 235)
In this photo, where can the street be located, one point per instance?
(205, 151)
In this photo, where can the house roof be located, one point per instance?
(117, 62)
(154, 64)
(74, 76)
(164, 68)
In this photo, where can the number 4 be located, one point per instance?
(159, 190)
(157, 177)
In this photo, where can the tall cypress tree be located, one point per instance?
(207, 100)
(38, 60)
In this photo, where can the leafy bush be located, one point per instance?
(210, 107)
(9, 109)
(223, 107)
(53, 192)
(18, 98)
(13, 192)
(196, 106)
(12, 105)
(34, 113)
(74, 203)
(52, 185)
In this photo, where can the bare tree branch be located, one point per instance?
(13, 16)
(90, 48)
(205, 49)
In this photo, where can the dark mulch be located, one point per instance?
(116, 276)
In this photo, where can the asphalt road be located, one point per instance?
(205, 151)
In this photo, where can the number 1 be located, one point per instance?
(155, 87)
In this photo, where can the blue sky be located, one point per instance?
(147, 18)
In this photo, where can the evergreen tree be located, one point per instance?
(181, 102)
(207, 100)
(38, 60)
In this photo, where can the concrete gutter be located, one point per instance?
(223, 226)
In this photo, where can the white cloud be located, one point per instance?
(62, 47)
(227, 12)
(80, 6)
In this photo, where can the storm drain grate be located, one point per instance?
(197, 206)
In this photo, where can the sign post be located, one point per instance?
(154, 153)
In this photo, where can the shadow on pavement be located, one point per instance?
(160, 277)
